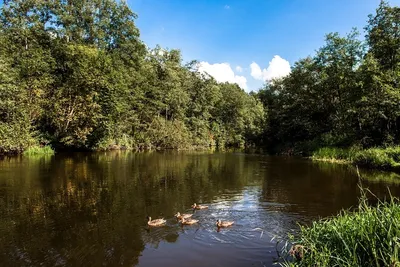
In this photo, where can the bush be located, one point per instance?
(14, 138)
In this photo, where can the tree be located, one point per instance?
(15, 126)
(383, 36)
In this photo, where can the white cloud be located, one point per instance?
(277, 68)
(239, 69)
(256, 71)
(227, 7)
(241, 81)
(222, 72)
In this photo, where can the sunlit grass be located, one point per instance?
(382, 158)
(335, 154)
(369, 236)
(38, 150)
(379, 158)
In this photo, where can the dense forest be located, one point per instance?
(74, 74)
(347, 94)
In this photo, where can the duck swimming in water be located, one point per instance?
(199, 207)
(188, 221)
(224, 223)
(179, 216)
(156, 222)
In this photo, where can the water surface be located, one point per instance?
(89, 209)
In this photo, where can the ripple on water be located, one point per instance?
(79, 208)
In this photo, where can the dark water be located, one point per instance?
(89, 209)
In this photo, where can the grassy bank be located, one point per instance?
(39, 150)
(368, 237)
(376, 158)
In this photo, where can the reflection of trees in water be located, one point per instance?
(153, 236)
(56, 235)
(306, 189)
(380, 177)
(319, 188)
(72, 209)
(70, 219)
(379, 182)
(91, 207)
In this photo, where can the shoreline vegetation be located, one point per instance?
(387, 159)
(368, 236)
(39, 150)
(79, 78)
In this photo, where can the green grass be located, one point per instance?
(38, 150)
(369, 236)
(377, 158)
(335, 154)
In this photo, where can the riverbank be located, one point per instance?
(375, 158)
(366, 237)
(39, 150)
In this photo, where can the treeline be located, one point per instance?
(75, 74)
(346, 95)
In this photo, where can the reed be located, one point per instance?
(369, 236)
(376, 158)
(39, 150)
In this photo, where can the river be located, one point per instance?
(89, 209)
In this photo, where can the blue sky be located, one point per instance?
(242, 32)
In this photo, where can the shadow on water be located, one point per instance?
(75, 209)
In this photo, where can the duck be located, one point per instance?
(188, 221)
(297, 251)
(156, 222)
(224, 223)
(179, 216)
(199, 207)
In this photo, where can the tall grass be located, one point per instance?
(39, 150)
(378, 158)
(368, 237)
(335, 154)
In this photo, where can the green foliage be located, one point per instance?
(15, 134)
(14, 138)
(367, 237)
(333, 153)
(347, 94)
(38, 150)
(378, 158)
(78, 76)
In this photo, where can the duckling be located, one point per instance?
(188, 221)
(224, 224)
(297, 251)
(179, 216)
(156, 222)
(199, 207)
